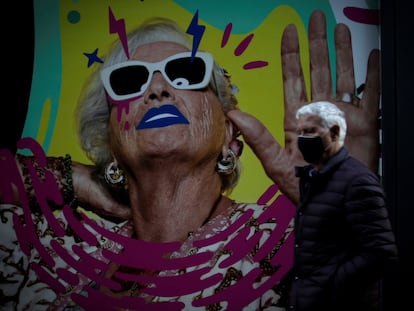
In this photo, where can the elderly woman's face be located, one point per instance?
(166, 121)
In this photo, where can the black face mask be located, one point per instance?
(311, 148)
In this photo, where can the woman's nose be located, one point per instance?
(158, 88)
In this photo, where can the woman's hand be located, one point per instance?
(362, 113)
(92, 196)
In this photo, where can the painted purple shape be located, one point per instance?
(89, 260)
(82, 268)
(243, 45)
(70, 277)
(226, 34)
(283, 258)
(240, 246)
(255, 64)
(281, 210)
(154, 252)
(165, 115)
(78, 227)
(268, 194)
(96, 298)
(231, 294)
(46, 188)
(164, 286)
(118, 26)
(153, 257)
(47, 278)
(221, 236)
(363, 16)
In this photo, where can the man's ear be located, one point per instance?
(334, 131)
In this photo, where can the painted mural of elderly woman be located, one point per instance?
(153, 120)
(156, 126)
(166, 138)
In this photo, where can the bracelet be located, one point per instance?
(27, 180)
(71, 196)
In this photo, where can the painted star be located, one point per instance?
(93, 57)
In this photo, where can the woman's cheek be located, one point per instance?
(125, 114)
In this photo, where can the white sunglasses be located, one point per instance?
(182, 71)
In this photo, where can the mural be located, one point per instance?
(72, 39)
(244, 37)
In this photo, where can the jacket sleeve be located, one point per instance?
(372, 241)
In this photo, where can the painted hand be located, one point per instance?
(362, 113)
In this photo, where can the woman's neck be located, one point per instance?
(165, 210)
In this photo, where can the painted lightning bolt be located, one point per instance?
(196, 31)
(118, 26)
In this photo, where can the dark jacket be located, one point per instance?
(343, 237)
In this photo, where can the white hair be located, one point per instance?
(330, 115)
(93, 109)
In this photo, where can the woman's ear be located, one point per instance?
(236, 146)
(232, 132)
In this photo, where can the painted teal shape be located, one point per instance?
(248, 15)
(47, 69)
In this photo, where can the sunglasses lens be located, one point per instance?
(182, 71)
(128, 80)
(186, 72)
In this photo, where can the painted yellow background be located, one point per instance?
(261, 91)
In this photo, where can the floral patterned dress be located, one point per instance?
(236, 261)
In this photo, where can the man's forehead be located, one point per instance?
(311, 119)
